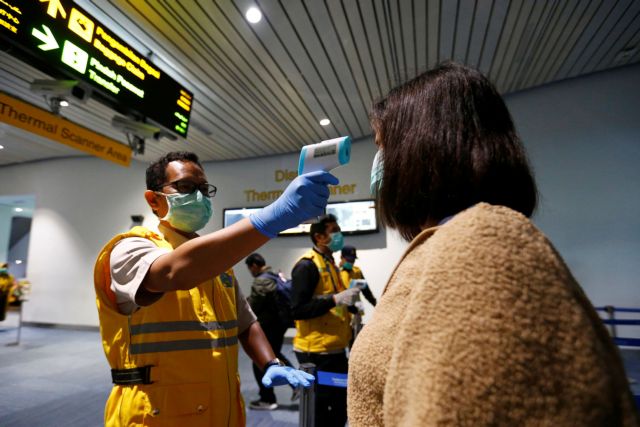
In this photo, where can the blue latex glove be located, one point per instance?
(305, 198)
(283, 375)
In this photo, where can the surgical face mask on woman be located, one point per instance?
(188, 212)
(337, 241)
(376, 173)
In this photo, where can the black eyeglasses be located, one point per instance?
(188, 187)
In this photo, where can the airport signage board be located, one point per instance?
(36, 120)
(60, 38)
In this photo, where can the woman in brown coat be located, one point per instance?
(481, 323)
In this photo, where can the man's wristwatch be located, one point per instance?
(274, 362)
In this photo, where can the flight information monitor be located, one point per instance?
(357, 217)
(63, 40)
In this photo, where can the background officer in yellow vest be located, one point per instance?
(349, 271)
(7, 285)
(320, 303)
(171, 313)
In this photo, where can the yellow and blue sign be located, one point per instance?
(36, 120)
(61, 39)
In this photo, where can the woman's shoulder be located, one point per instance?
(485, 215)
(487, 238)
(482, 224)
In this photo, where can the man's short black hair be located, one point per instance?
(256, 259)
(320, 226)
(156, 172)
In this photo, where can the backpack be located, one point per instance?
(283, 298)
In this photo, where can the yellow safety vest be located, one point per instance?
(331, 331)
(190, 339)
(348, 275)
(6, 282)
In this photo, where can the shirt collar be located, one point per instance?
(174, 238)
(325, 256)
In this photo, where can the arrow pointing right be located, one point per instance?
(47, 38)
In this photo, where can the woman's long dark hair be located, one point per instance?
(448, 142)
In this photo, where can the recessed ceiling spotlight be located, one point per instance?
(18, 209)
(1, 147)
(325, 122)
(253, 15)
(18, 261)
(64, 103)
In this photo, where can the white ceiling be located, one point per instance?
(261, 89)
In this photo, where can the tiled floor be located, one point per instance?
(58, 377)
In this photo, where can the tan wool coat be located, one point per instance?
(482, 324)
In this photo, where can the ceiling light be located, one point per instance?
(253, 15)
(18, 261)
(325, 122)
(18, 209)
(1, 147)
(64, 103)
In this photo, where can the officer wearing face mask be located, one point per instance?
(171, 312)
(320, 305)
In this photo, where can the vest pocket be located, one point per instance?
(178, 405)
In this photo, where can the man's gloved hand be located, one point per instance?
(283, 375)
(347, 297)
(305, 198)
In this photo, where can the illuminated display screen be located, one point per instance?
(59, 37)
(355, 217)
(358, 217)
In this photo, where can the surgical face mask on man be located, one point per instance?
(347, 265)
(4, 271)
(188, 212)
(376, 173)
(337, 241)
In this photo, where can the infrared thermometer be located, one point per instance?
(325, 156)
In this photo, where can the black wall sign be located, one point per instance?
(60, 38)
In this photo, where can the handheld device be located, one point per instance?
(325, 155)
(358, 283)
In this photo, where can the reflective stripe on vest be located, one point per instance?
(149, 328)
(159, 347)
(178, 345)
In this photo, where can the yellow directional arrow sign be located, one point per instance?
(47, 38)
(54, 7)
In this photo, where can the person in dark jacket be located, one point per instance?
(264, 305)
(322, 305)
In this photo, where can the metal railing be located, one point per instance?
(307, 400)
(612, 323)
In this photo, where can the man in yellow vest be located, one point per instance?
(349, 273)
(320, 303)
(171, 313)
(7, 285)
